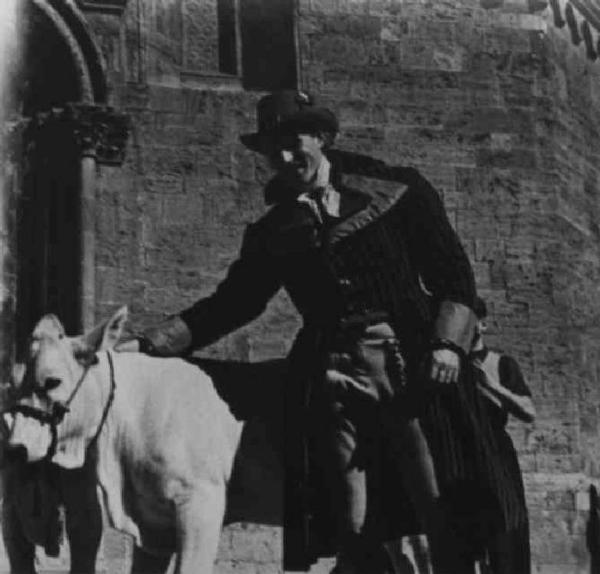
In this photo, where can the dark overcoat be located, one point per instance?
(392, 251)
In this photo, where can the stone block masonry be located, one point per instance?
(491, 100)
(494, 104)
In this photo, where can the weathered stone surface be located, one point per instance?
(488, 99)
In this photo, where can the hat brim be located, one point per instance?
(309, 120)
(257, 142)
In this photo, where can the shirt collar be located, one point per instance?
(330, 197)
(322, 175)
(479, 354)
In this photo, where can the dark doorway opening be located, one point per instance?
(48, 212)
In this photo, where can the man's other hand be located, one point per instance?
(445, 365)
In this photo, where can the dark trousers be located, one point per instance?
(363, 386)
(509, 552)
(32, 494)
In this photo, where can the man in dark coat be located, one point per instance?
(385, 291)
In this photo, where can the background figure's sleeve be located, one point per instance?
(251, 281)
(439, 257)
(511, 376)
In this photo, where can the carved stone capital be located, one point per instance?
(559, 21)
(588, 39)
(573, 25)
(99, 131)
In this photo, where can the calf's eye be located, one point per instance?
(51, 383)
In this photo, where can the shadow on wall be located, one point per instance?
(254, 392)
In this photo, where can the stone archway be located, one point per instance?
(61, 129)
(64, 129)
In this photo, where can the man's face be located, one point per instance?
(297, 156)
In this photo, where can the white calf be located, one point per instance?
(166, 441)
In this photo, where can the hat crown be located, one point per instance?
(288, 110)
(275, 109)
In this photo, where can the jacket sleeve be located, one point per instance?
(251, 281)
(511, 376)
(441, 262)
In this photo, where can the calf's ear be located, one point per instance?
(102, 337)
(113, 329)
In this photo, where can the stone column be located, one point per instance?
(9, 146)
(100, 134)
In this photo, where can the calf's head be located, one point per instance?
(58, 401)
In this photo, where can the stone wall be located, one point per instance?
(496, 106)
(489, 99)
(170, 221)
(9, 144)
(500, 110)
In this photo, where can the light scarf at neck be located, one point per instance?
(323, 191)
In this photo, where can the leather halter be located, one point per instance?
(59, 409)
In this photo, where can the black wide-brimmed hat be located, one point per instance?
(288, 110)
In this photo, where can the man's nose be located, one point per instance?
(287, 156)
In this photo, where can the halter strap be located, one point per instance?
(66, 405)
(110, 400)
(59, 409)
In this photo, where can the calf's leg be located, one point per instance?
(199, 521)
(146, 563)
(83, 517)
(21, 552)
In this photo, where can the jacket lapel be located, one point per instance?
(352, 201)
(358, 209)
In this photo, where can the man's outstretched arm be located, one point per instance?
(251, 281)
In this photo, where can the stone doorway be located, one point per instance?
(48, 222)
(48, 232)
(62, 131)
